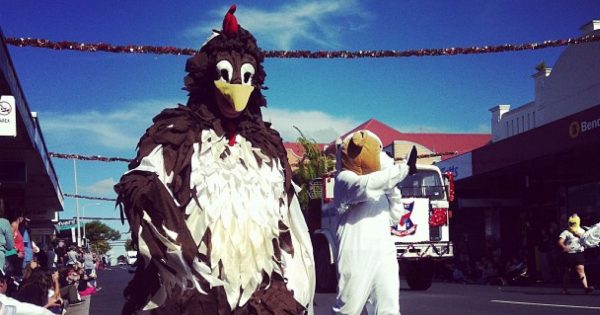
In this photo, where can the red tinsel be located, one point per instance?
(438, 217)
(428, 155)
(89, 198)
(422, 156)
(450, 177)
(168, 50)
(87, 158)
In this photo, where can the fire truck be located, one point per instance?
(421, 236)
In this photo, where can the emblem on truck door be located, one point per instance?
(405, 226)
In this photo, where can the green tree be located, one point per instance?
(99, 234)
(314, 164)
(128, 245)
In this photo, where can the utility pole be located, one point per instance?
(77, 203)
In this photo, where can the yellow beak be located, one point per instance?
(237, 95)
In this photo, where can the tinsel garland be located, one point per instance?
(423, 156)
(428, 155)
(450, 177)
(169, 50)
(89, 198)
(87, 158)
(438, 217)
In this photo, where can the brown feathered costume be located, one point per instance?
(209, 198)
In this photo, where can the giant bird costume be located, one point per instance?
(209, 197)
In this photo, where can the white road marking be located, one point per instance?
(546, 304)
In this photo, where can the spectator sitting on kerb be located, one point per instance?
(17, 307)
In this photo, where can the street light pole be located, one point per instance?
(77, 202)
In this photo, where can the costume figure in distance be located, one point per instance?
(369, 203)
(209, 197)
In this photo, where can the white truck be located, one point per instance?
(421, 236)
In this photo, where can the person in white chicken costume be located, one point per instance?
(209, 198)
(369, 202)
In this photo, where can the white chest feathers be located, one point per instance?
(240, 204)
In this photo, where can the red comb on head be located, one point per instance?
(230, 24)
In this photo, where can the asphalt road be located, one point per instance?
(441, 298)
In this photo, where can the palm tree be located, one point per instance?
(313, 164)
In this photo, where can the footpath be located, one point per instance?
(80, 309)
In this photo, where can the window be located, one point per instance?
(425, 183)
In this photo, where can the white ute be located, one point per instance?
(421, 236)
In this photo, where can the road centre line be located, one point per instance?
(546, 304)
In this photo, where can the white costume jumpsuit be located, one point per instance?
(366, 261)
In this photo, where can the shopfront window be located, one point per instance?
(585, 201)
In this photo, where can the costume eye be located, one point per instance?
(247, 71)
(225, 70)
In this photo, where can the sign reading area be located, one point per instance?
(8, 116)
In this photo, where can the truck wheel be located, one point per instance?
(420, 275)
(325, 271)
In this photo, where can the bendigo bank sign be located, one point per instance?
(579, 127)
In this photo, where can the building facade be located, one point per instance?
(28, 182)
(516, 193)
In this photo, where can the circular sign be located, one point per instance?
(574, 129)
(5, 108)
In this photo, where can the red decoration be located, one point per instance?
(167, 50)
(450, 177)
(438, 217)
(230, 24)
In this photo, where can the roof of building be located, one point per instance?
(436, 142)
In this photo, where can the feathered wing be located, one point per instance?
(300, 267)
(156, 212)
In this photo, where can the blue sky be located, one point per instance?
(101, 103)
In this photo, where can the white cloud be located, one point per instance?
(101, 188)
(320, 126)
(120, 129)
(116, 129)
(317, 22)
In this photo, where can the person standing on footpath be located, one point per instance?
(16, 261)
(61, 253)
(27, 242)
(569, 241)
(89, 265)
(7, 242)
(72, 256)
